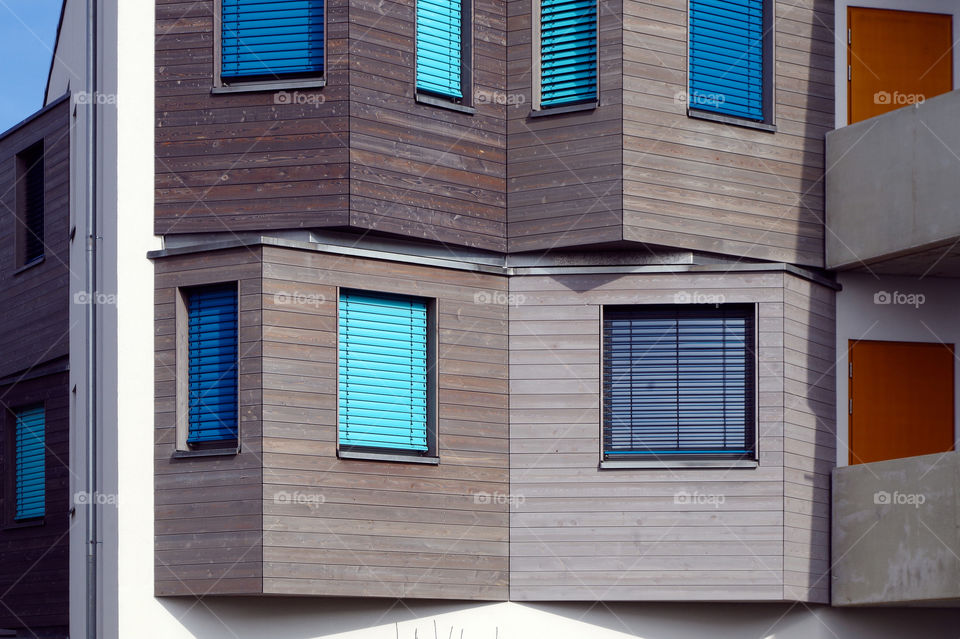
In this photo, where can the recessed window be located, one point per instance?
(268, 40)
(442, 48)
(678, 382)
(209, 392)
(385, 392)
(730, 57)
(30, 205)
(30, 479)
(566, 35)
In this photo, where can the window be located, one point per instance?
(30, 205)
(211, 362)
(384, 385)
(441, 25)
(678, 381)
(567, 40)
(271, 39)
(30, 450)
(729, 42)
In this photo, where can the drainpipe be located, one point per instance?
(91, 317)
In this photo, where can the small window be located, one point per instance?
(211, 360)
(268, 40)
(31, 476)
(678, 382)
(442, 47)
(730, 58)
(384, 388)
(567, 39)
(30, 205)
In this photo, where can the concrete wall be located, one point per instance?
(858, 317)
(895, 535)
(901, 168)
(840, 21)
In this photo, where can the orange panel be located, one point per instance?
(902, 400)
(896, 58)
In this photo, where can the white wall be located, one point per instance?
(840, 42)
(858, 317)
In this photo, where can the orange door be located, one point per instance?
(901, 400)
(896, 58)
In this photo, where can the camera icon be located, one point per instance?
(282, 97)
(682, 297)
(482, 498)
(882, 497)
(682, 498)
(882, 97)
(882, 297)
(483, 297)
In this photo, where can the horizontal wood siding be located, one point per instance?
(243, 161)
(416, 169)
(716, 187)
(809, 437)
(368, 528)
(580, 533)
(209, 512)
(565, 171)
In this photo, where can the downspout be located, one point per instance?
(91, 317)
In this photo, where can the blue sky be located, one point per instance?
(27, 31)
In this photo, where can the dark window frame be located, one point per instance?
(431, 455)
(29, 237)
(747, 312)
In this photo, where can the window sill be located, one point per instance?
(29, 265)
(387, 457)
(209, 452)
(573, 108)
(726, 119)
(677, 463)
(443, 104)
(277, 85)
(27, 523)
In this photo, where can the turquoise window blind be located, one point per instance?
(568, 52)
(31, 479)
(271, 37)
(439, 43)
(212, 316)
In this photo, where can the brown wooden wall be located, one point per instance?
(208, 510)
(34, 302)
(378, 528)
(587, 534)
(565, 171)
(716, 187)
(246, 160)
(34, 317)
(417, 169)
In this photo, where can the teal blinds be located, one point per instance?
(382, 371)
(30, 445)
(212, 315)
(726, 57)
(439, 37)
(271, 37)
(568, 51)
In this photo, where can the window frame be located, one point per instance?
(768, 79)
(538, 109)
(463, 104)
(431, 455)
(10, 460)
(24, 161)
(182, 319)
(278, 82)
(686, 460)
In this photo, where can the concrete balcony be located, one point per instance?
(892, 190)
(896, 539)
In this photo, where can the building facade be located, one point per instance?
(514, 318)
